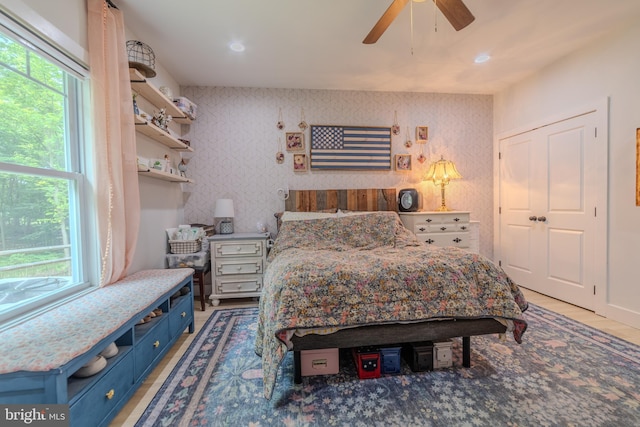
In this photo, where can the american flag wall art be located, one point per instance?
(350, 147)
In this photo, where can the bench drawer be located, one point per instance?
(179, 317)
(151, 344)
(105, 395)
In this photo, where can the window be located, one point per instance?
(44, 208)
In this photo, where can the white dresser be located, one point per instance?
(237, 262)
(440, 228)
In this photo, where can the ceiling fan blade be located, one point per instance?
(385, 20)
(456, 13)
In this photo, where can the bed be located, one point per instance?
(339, 278)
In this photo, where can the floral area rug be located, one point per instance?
(563, 374)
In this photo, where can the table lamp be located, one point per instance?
(441, 172)
(224, 210)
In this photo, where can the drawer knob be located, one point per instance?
(239, 268)
(457, 240)
(443, 228)
(464, 227)
(183, 314)
(456, 219)
(110, 394)
(428, 220)
(429, 241)
(238, 249)
(239, 286)
(421, 228)
(156, 344)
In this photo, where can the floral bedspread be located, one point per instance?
(369, 269)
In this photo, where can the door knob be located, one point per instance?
(542, 218)
(533, 218)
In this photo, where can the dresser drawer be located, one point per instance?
(238, 248)
(238, 285)
(443, 218)
(238, 266)
(440, 228)
(460, 240)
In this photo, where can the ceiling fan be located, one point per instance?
(454, 10)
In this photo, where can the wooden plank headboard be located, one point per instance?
(370, 199)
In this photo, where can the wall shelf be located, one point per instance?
(165, 176)
(148, 91)
(165, 138)
(145, 89)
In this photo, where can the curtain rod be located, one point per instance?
(110, 3)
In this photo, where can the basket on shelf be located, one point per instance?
(141, 57)
(185, 246)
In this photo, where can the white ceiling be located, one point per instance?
(317, 44)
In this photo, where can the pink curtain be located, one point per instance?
(116, 176)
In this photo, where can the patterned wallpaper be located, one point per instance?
(235, 140)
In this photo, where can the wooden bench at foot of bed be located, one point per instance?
(385, 335)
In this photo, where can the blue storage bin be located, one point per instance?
(391, 357)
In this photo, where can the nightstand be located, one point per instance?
(451, 228)
(237, 264)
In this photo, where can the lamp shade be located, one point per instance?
(224, 208)
(441, 172)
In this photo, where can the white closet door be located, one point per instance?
(547, 222)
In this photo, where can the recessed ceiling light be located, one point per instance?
(483, 57)
(236, 47)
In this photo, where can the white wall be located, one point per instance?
(235, 141)
(606, 69)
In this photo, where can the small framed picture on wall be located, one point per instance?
(403, 162)
(422, 134)
(295, 141)
(300, 163)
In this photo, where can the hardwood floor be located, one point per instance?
(138, 403)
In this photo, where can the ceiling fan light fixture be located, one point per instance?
(482, 58)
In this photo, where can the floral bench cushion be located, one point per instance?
(56, 337)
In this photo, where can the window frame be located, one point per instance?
(78, 142)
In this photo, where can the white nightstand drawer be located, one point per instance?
(242, 266)
(237, 248)
(460, 240)
(440, 228)
(443, 218)
(238, 285)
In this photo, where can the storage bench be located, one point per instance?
(39, 356)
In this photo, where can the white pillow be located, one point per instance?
(301, 216)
